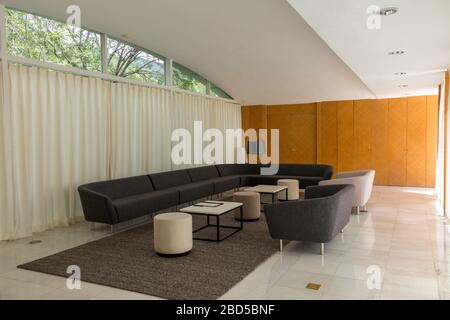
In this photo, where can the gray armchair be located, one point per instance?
(323, 214)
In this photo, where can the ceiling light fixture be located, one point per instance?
(400, 74)
(388, 11)
(396, 53)
(403, 86)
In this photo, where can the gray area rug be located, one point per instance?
(127, 261)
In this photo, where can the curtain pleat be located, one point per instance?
(213, 114)
(141, 129)
(67, 130)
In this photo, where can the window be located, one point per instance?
(186, 79)
(125, 60)
(35, 37)
(217, 92)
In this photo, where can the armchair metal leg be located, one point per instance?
(357, 211)
(322, 249)
(281, 245)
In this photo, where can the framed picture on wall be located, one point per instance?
(256, 147)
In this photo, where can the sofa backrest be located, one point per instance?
(238, 169)
(340, 200)
(203, 173)
(306, 170)
(165, 180)
(314, 192)
(121, 188)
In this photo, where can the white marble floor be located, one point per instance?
(403, 236)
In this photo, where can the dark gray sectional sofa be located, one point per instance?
(116, 201)
(323, 213)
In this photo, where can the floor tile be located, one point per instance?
(402, 234)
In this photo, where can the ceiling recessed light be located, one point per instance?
(388, 11)
(403, 86)
(396, 52)
(400, 74)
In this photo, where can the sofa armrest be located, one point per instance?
(351, 174)
(328, 173)
(97, 207)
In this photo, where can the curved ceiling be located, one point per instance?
(259, 51)
(421, 28)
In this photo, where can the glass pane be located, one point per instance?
(35, 37)
(217, 92)
(125, 60)
(186, 79)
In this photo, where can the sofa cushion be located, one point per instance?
(238, 169)
(223, 184)
(254, 180)
(195, 191)
(166, 180)
(145, 203)
(120, 188)
(203, 173)
(306, 170)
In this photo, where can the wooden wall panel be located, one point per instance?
(362, 135)
(345, 135)
(327, 142)
(432, 139)
(298, 131)
(396, 137)
(254, 117)
(398, 122)
(379, 138)
(416, 142)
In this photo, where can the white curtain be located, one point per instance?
(141, 130)
(227, 116)
(7, 224)
(186, 109)
(67, 130)
(60, 140)
(213, 114)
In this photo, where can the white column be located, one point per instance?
(104, 47)
(208, 87)
(169, 72)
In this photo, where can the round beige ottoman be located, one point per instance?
(173, 234)
(251, 201)
(293, 190)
